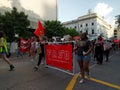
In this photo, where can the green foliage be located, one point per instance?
(14, 22)
(118, 20)
(72, 32)
(55, 28)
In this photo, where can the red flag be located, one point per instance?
(39, 30)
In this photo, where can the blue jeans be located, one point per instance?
(84, 58)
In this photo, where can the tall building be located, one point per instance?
(35, 9)
(92, 24)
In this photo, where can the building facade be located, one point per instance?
(92, 24)
(35, 9)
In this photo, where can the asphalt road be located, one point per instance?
(103, 77)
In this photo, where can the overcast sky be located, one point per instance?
(72, 9)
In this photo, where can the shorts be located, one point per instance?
(2, 53)
(83, 58)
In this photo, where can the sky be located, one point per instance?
(72, 9)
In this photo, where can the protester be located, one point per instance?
(40, 51)
(99, 50)
(33, 48)
(116, 43)
(4, 50)
(18, 52)
(107, 47)
(83, 53)
(67, 38)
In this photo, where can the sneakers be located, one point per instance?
(36, 68)
(11, 68)
(88, 77)
(82, 81)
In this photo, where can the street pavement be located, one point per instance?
(24, 77)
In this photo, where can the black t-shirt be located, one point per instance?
(42, 48)
(83, 46)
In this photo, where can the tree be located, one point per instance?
(118, 21)
(55, 28)
(14, 22)
(72, 32)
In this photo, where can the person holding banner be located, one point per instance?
(39, 32)
(4, 50)
(83, 49)
(40, 51)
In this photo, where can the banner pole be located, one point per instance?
(73, 59)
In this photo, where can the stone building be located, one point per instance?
(92, 24)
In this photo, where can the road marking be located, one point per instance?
(105, 83)
(74, 79)
(72, 82)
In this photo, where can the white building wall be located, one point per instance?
(87, 25)
(72, 24)
(105, 28)
(35, 9)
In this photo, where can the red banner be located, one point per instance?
(24, 45)
(59, 55)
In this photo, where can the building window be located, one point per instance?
(86, 24)
(92, 31)
(80, 31)
(87, 31)
(75, 27)
(80, 25)
(115, 32)
(92, 23)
